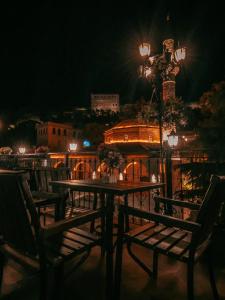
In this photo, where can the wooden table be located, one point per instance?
(121, 188)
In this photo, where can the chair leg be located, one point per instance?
(2, 262)
(57, 293)
(119, 258)
(155, 265)
(43, 283)
(212, 278)
(190, 280)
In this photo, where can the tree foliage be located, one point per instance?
(212, 121)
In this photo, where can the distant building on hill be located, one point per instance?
(57, 136)
(105, 102)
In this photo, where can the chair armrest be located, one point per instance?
(46, 198)
(177, 202)
(164, 219)
(66, 224)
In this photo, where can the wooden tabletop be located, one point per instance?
(119, 188)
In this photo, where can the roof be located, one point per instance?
(133, 123)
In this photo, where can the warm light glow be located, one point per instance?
(101, 167)
(180, 54)
(72, 147)
(130, 164)
(22, 150)
(144, 49)
(132, 126)
(172, 139)
(132, 141)
(94, 176)
(148, 72)
(121, 176)
(44, 163)
(153, 179)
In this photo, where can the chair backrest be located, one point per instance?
(210, 208)
(44, 175)
(19, 222)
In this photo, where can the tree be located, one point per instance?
(94, 132)
(212, 121)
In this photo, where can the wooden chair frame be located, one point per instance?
(35, 248)
(200, 233)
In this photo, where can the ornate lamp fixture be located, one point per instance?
(22, 150)
(172, 139)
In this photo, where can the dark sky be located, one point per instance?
(54, 56)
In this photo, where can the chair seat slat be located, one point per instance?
(77, 238)
(171, 241)
(157, 238)
(84, 233)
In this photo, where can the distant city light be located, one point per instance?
(86, 143)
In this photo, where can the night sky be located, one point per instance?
(55, 56)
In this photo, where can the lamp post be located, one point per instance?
(72, 148)
(172, 143)
(161, 70)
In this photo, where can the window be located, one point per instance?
(64, 132)
(53, 130)
(125, 137)
(59, 131)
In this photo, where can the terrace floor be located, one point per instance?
(88, 282)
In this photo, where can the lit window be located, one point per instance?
(125, 137)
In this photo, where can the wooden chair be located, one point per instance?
(41, 248)
(183, 240)
(46, 198)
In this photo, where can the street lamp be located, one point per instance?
(72, 147)
(22, 150)
(161, 70)
(172, 143)
(172, 139)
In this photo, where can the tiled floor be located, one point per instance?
(88, 282)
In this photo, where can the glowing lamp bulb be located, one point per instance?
(172, 139)
(22, 150)
(180, 54)
(72, 146)
(144, 49)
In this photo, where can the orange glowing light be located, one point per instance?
(132, 141)
(129, 165)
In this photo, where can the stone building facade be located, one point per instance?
(56, 136)
(105, 102)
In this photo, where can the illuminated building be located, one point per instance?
(56, 136)
(105, 102)
(133, 131)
